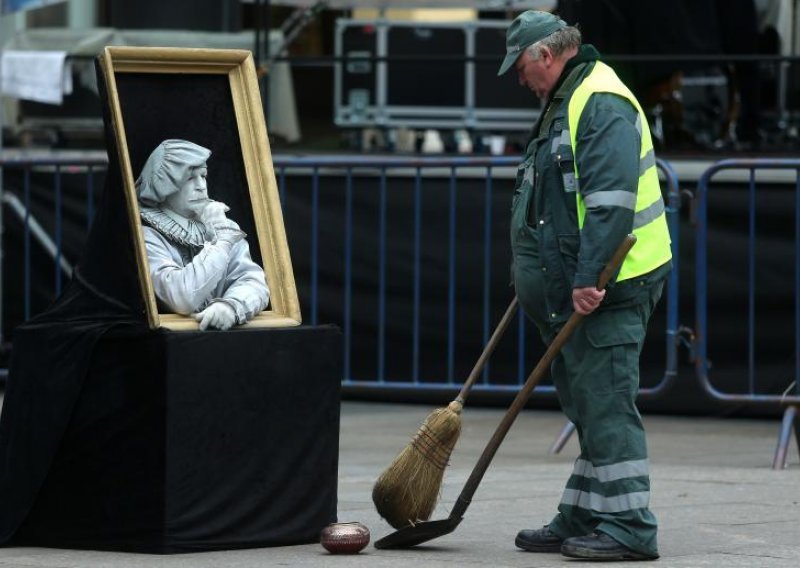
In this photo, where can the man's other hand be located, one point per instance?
(586, 300)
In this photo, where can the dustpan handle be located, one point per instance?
(524, 394)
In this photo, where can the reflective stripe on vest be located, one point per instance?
(649, 221)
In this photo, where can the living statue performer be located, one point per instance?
(199, 259)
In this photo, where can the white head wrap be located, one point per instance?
(167, 168)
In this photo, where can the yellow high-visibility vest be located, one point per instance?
(652, 247)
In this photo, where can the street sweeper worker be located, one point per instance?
(588, 178)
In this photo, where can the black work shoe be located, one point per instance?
(600, 546)
(540, 540)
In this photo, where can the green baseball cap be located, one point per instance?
(526, 29)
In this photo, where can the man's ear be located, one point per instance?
(546, 56)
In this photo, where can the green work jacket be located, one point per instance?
(551, 255)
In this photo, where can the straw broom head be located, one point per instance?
(408, 490)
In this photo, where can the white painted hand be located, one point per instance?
(218, 315)
(213, 217)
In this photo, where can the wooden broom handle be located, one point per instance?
(487, 351)
(524, 394)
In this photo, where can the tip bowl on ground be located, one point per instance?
(344, 538)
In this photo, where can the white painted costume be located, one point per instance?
(195, 264)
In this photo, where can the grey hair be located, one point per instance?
(557, 42)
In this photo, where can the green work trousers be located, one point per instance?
(596, 376)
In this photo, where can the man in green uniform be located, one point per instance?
(589, 178)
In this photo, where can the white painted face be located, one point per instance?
(192, 197)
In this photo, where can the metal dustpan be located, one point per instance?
(415, 534)
(424, 531)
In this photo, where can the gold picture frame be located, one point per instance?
(148, 88)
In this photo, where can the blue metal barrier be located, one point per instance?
(379, 168)
(385, 171)
(749, 395)
(702, 361)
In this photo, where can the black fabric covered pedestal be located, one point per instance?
(115, 436)
(197, 441)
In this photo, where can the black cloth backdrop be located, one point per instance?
(52, 353)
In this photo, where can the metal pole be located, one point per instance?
(562, 439)
(51, 246)
(789, 416)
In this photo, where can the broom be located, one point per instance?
(407, 491)
(423, 531)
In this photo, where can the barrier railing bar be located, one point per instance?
(417, 272)
(348, 269)
(331, 60)
(2, 251)
(451, 280)
(89, 197)
(751, 284)
(382, 280)
(282, 186)
(701, 274)
(314, 242)
(281, 181)
(521, 346)
(442, 385)
(26, 250)
(14, 160)
(58, 214)
(797, 284)
(388, 163)
(487, 266)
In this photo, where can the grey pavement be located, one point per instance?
(717, 499)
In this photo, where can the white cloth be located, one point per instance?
(282, 120)
(42, 76)
(188, 284)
